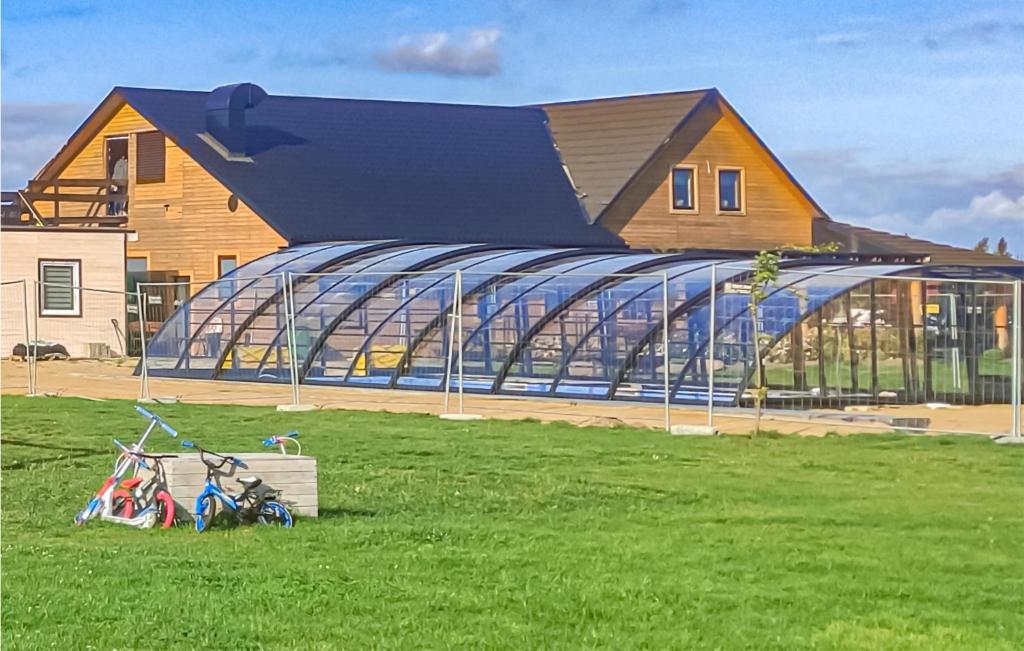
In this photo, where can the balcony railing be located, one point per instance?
(89, 202)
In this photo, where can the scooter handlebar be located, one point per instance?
(145, 413)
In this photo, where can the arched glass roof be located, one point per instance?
(577, 323)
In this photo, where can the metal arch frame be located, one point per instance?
(686, 306)
(557, 311)
(329, 329)
(442, 314)
(567, 254)
(342, 277)
(748, 376)
(561, 375)
(405, 303)
(259, 311)
(184, 351)
(697, 354)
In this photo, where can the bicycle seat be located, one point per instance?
(131, 483)
(249, 483)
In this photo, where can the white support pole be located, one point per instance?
(456, 340)
(289, 324)
(667, 359)
(458, 320)
(451, 347)
(292, 342)
(35, 337)
(28, 358)
(1018, 364)
(141, 305)
(711, 346)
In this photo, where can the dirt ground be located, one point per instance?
(109, 379)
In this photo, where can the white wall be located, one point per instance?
(102, 299)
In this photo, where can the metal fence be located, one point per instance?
(872, 347)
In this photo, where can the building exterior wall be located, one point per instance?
(776, 215)
(184, 222)
(101, 255)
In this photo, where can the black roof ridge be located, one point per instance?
(341, 99)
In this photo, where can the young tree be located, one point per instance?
(765, 273)
(981, 246)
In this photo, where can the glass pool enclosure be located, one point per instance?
(590, 324)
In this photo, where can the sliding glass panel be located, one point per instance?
(541, 359)
(594, 363)
(258, 347)
(490, 293)
(644, 379)
(797, 293)
(503, 333)
(404, 310)
(335, 320)
(185, 342)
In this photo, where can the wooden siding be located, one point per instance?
(182, 223)
(776, 212)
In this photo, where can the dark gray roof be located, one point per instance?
(341, 169)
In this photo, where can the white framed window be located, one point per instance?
(731, 192)
(60, 288)
(683, 189)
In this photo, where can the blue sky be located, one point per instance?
(906, 116)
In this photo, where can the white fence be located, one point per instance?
(869, 347)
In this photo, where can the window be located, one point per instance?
(684, 188)
(60, 292)
(226, 264)
(730, 190)
(150, 157)
(137, 265)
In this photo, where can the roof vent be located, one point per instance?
(225, 110)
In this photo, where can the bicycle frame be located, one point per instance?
(100, 504)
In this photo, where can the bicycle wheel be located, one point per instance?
(204, 514)
(121, 503)
(274, 513)
(164, 509)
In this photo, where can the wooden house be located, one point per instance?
(211, 180)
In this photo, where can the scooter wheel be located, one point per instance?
(121, 503)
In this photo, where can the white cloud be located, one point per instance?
(441, 53)
(995, 206)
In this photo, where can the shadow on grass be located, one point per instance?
(340, 512)
(75, 453)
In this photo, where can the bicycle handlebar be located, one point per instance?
(145, 413)
(235, 461)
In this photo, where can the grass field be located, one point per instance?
(520, 535)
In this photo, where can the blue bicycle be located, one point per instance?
(256, 502)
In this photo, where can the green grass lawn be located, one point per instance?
(521, 535)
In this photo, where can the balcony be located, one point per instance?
(67, 202)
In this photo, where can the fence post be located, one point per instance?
(451, 347)
(28, 358)
(458, 301)
(667, 358)
(711, 346)
(1018, 364)
(34, 358)
(140, 299)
